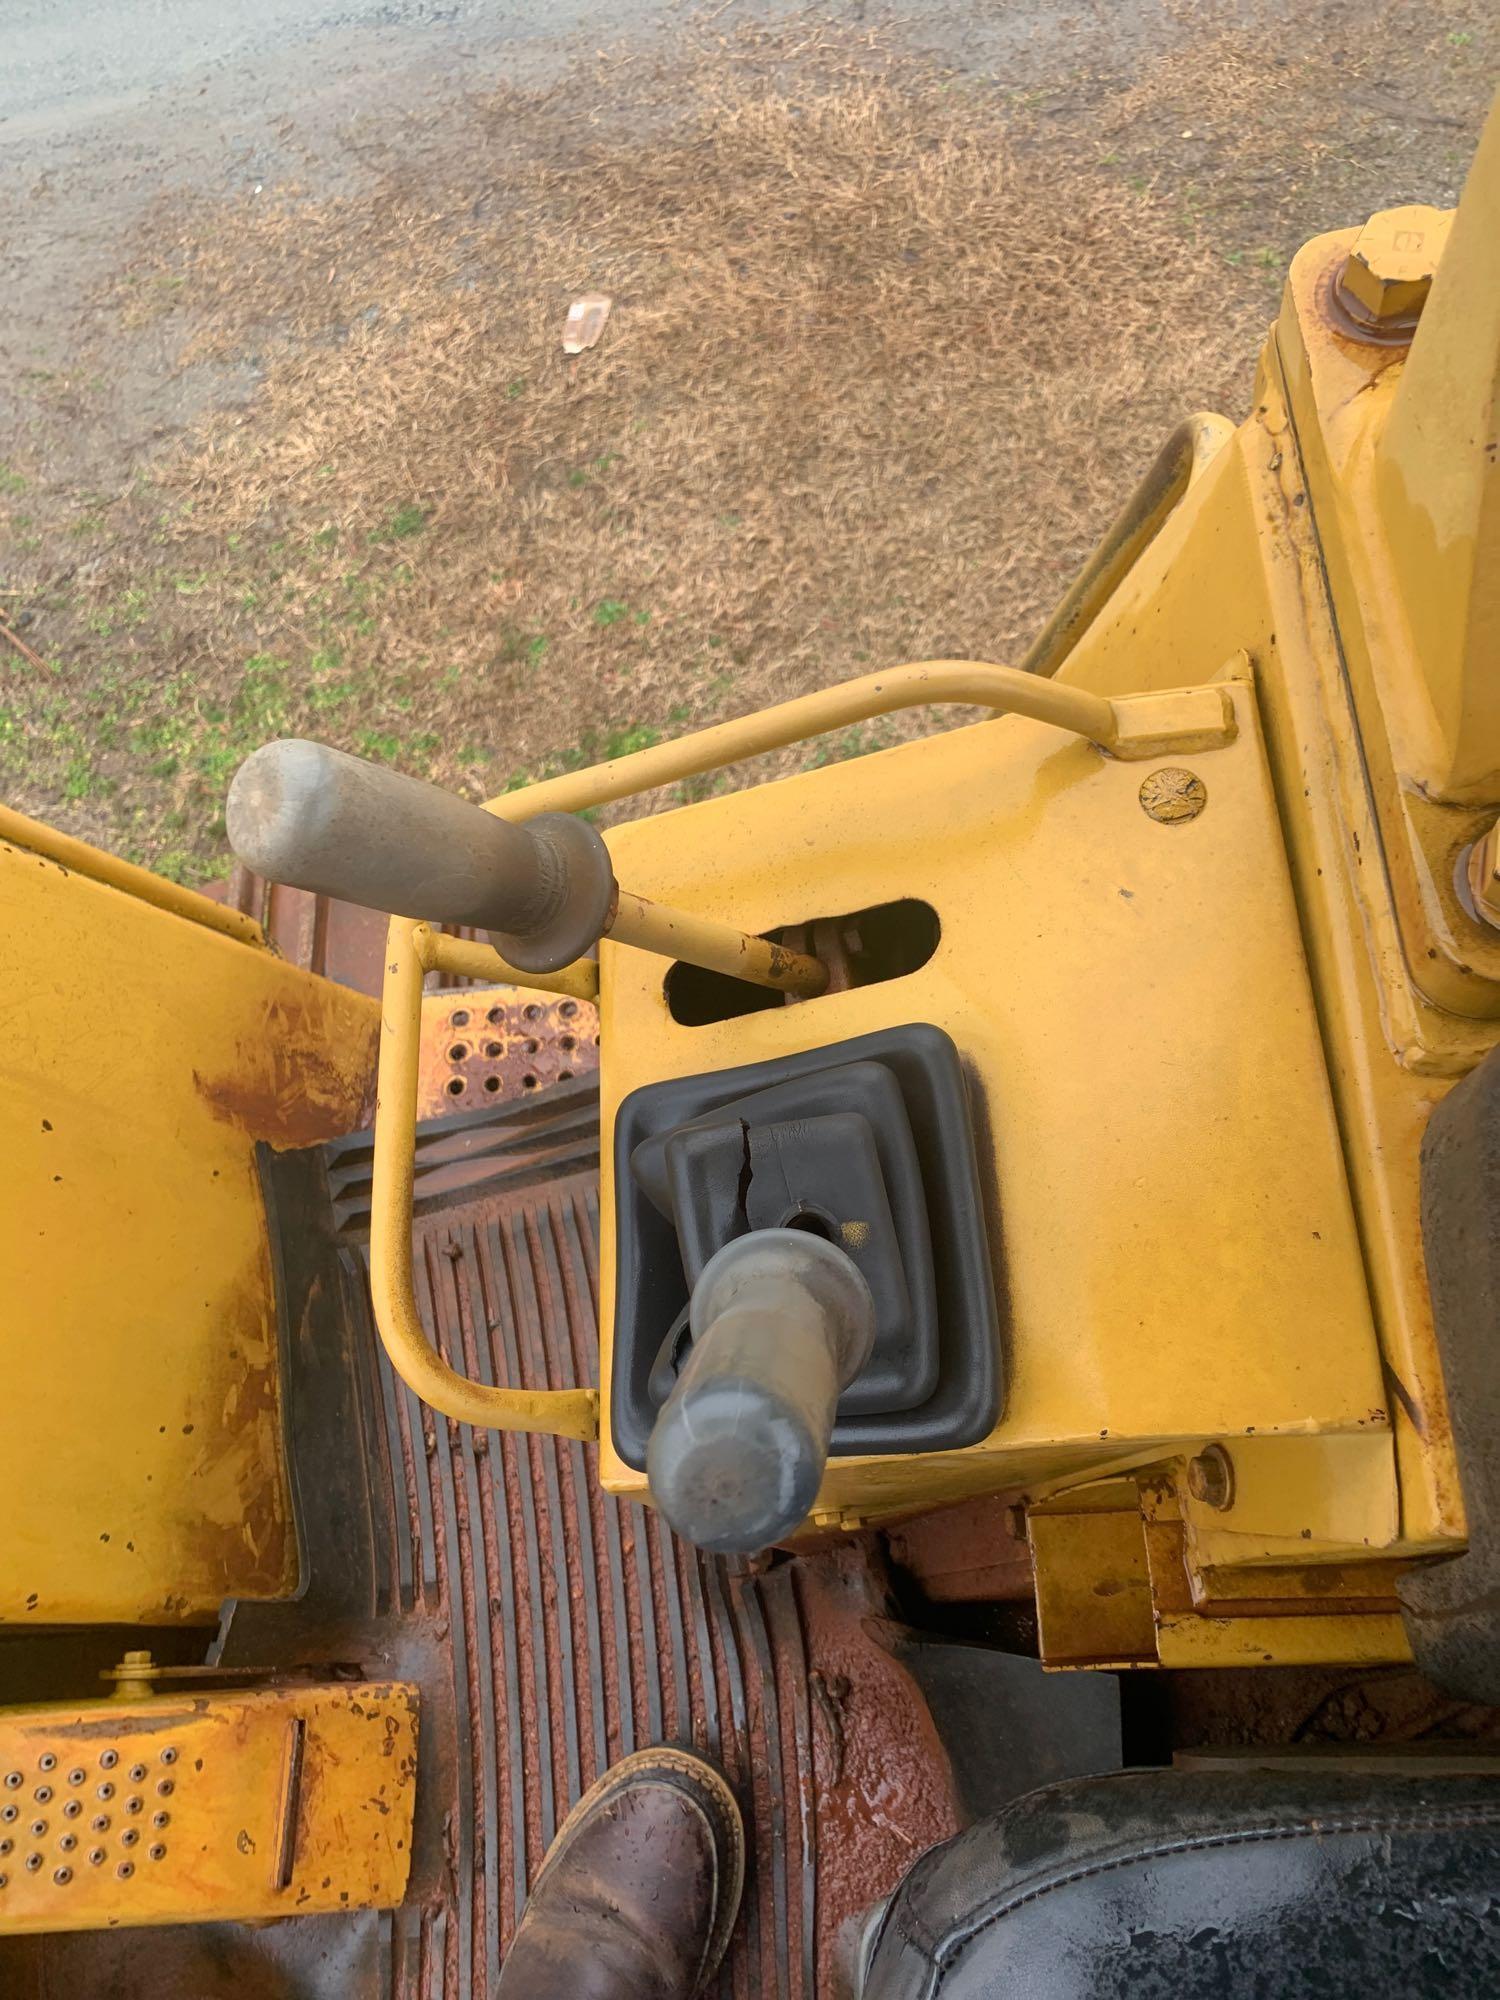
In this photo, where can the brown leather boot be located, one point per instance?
(638, 1893)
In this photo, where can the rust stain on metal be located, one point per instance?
(483, 1046)
(241, 1525)
(970, 1553)
(884, 1785)
(304, 1075)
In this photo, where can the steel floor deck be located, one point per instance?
(554, 1628)
(574, 1628)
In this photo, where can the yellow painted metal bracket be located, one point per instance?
(1125, 726)
(277, 1802)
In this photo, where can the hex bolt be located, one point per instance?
(1173, 796)
(1210, 1478)
(1481, 864)
(1388, 272)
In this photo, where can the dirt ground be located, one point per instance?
(904, 299)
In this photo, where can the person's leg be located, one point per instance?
(638, 1894)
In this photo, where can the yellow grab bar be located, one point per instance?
(1131, 726)
(412, 950)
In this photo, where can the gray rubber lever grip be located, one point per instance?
(782, 1323)
(316, 818)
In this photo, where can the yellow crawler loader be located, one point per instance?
(963, 1284)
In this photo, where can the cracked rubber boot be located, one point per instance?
(638, 1894)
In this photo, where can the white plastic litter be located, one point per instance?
(585, 322)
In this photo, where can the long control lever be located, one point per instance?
(782, 1323)
(545, 889)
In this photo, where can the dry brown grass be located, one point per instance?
(871, 384)
(880, 367)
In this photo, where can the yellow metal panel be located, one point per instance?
(1391, 1054)
(1439, 482)
(279, 1803)
(1113, 1589)
(1299, 1500)
(1156, 1136)
(1364, 1585)
(1365, 1639)
(99, 866)
(1233, 1631)
(1342, 396)
(1093, 1591)
(141, 1058)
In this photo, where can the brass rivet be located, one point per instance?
(77, 1776)
(1172, 795)
(106, 1790)
(62, 1876)
(169, 1755)
(46, 1762)
(109, 1760)
(1210, 1478)
(96, 1855)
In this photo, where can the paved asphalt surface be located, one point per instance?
(70, 63)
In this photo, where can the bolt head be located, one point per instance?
(1388, 272)
(1210, 1478)
(1484, 875)
(1173, 795)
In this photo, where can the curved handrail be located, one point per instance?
(411, 950)
(1142, 725)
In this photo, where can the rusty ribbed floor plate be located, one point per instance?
(578, 1628)
(553, 1629)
